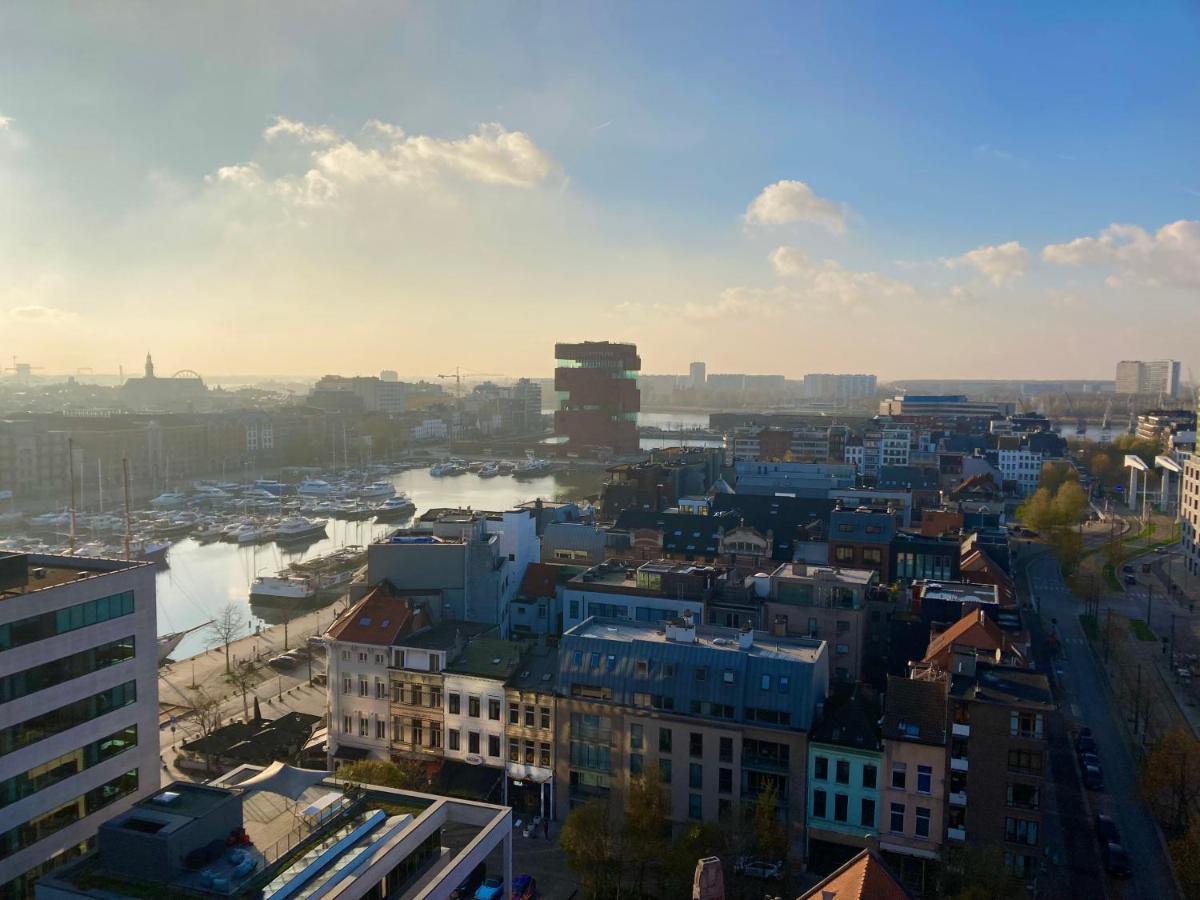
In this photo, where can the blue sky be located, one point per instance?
(147, 203)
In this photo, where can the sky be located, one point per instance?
(915, 190)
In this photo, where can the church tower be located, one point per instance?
(149, 365)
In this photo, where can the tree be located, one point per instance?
(1185, 854)
(1055, 474)
(1171, 779)
(1070, 503)
(206, 710)
(589, 844)
(647, 830)
(243, 677)
(225, 629)
(769, 835)
(406, 775)
(1037, 512)
(698, 840)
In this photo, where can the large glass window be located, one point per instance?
(69, 764)
(29, 833)
(67, 668)
(58, 720)
(60, 621)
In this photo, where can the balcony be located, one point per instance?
(960, 730)
(958, 798)
(956, 834)
(958, 764)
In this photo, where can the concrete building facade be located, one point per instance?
(599, 400)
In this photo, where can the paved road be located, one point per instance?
(1086, 700)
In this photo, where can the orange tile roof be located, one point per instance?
(975, 629)
(540, 580)
(865, 877)
(380, 618)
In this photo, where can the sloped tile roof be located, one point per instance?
(380, 618)
(865, 877)
(915, 710)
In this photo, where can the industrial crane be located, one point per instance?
(458, 374)
(22, 370)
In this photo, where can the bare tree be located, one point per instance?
(225, 629)
(206, 710)
(243, 677)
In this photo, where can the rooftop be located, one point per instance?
(444, 635)
(623, 573)
(488, 658)
(960, 592)
(708, 637)
(1003, 684)
(537, 670)
(24, 573)
(915, 709)
(865, 877)
(798, 571)
(380, 618)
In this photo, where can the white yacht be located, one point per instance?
(169, 500)
(284, 587)
(298, 529)
(489, 470)
(315, 487)
(398, 507)
(437, 470)
(377, 489)
(252, 534)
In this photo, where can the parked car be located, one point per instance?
(1131, 580)
(1084, 742)
(764, 869)
(1116, 860)
(282, 662)
(491, 889)
(524, 887)
(466, 890)
(1160, 549)
(1127, 568)
(1146, 567)
(1087, 758)
(1106, 830)
(1093, 778)
(317, 643)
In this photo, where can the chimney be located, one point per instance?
(779, 626)
(746, 637)
(681, 630)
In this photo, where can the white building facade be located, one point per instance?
(1023, 467)
(359, 698)
(476, 710)
(78, 705)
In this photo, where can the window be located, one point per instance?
(841, 649)
(869, 776)
(347, 724)
(897, 823)
(345, 654)
(635, 764)
(363, 724)
(544, 754)
(702, 673)
(1023, 796)
(529, 753)
(362, 656)
(641, 668)
(546, 717)
(843, 554)
(695, 776)
(529, 717)
(452, 739)
(397, 728)
(840, 804)
(347, 684)
(727, 676)
(60, 621)
(47, 824)
(514, 750)
(473, 742)
(453, 701)
(56, 721)
(514, 715)
(924, 779)
(635, 736)
(725, 781)
(866, 813)
(494, 745)
(1025, 724)
(435, 735)
(380, 729)
(1027, 761)
(726, 749)
(493, 709)
(765, 683)
(379, 659)
(66, 668)
(595, 660)
(819, 804)
(664, 768)
(872, 556)
(695, 806)
(575, 615)
(784, 684)
(641, 700)
(362, 687)
(473, 707)
(900, 776)
(922, 821)
(1021, 831)
(842, 775)
(821, 768)
(664, 740)
(695, 744)
(812, 627)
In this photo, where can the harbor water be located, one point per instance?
(203, 578)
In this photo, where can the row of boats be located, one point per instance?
(531, 467)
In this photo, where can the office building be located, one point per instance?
(696, 378)
(844, 388)
(597, 384)
(370, 393)
(1156, 376)
(649, 592)
(78, 705)
(945, 406)
(722, 713)
(288, 832)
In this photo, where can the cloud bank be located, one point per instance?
(785, 202)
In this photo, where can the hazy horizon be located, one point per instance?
(911, 191)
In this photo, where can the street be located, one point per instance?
(1085, 701)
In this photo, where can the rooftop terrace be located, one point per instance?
(24, 573)
(708, 637)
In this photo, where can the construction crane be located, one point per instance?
(458, 374)
(22, 370)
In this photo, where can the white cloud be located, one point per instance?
(827, 281)
(305, 134)
(5, 121)
(757, 303)
(794, 201)
(38, 313)
(1066, 299)
(1168, 257)
(1000, 262)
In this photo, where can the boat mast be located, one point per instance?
(128, 525)
(100, 483)
(71, 466)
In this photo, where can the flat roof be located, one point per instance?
(183, 799)
(710, 637)
(614, 572)
(26, 573)
(960, 591)
(444, 634)
(798, 571)
(537, 671)
(488, 658)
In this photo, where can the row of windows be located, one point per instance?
(29, 833)
(454, 706)
(58, 720)
(454, 742)
(67, 668)
(897, 815)
(66, 766)
(868, 773)
(60, 621)
(530, 717)
(542, 748)
(841, 808)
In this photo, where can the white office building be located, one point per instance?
(476, 701)
(1023, 467)
(78, 705)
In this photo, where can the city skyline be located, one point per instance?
(328, 192)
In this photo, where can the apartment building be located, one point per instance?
(916, 738)
(1189, 514)
(845, 753)
(359, 688)
(998, 759)
(824, 603)
(652, 592)
(78, 705)
(861, 538)
(723, 713)
(474, 688)
(529, 733)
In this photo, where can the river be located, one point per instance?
(203, 578)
